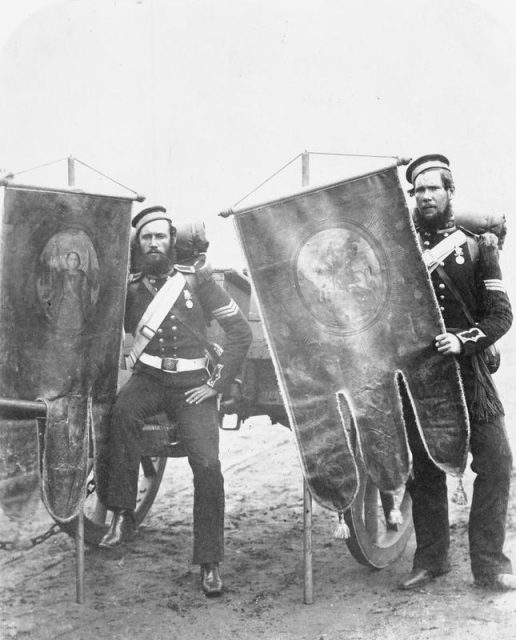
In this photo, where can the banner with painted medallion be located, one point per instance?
(350, 317)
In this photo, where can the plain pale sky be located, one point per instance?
(193, 103)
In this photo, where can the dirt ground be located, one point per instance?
(149, 590)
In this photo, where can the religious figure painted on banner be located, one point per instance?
(71, 302)
(68, 281)
(341, 280)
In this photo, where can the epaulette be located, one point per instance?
(484, 240)
(468, 232)
(185, 268)
(472, 239)
(201, 269)
(135, 277)
(487, 240)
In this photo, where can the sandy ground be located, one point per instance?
(149, 590)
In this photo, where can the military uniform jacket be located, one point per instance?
(201, 301)
(474, 269)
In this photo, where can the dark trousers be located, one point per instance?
(492, 464)
(198, 429)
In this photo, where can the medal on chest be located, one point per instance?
(188, 299)
(459, 255)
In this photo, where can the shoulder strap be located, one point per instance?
(432, 257)
(213, 349)
(192, 279)
(154, 315)
(456, 293)
(134, 277)
(473, 248)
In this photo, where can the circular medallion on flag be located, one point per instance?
(341, 277)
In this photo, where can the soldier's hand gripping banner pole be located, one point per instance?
(350, 317)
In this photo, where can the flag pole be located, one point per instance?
(307, 496)
(79, 532)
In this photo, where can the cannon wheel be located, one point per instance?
(96, 520)
(374, 542)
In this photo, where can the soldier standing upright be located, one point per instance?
(467, 281)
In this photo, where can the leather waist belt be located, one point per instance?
(174, 365)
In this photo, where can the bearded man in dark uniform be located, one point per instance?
(170, 374)
(476, 310)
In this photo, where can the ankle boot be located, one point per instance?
(211, 581)
(121, 529)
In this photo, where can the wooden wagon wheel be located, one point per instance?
(97, 517)
(376, 542)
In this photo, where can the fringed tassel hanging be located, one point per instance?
(395, 517)
(342, 531)
(486, 402)
(459, 495)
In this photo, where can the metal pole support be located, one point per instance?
(71, 171)
(307, 544)
(305, 168)
(307, 496)
(79, 556)
(79, 532)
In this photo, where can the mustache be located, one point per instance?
(155, 261)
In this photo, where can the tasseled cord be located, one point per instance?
(342, 530)
(395, 517)
(459, 495)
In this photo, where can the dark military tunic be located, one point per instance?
(201, 301)
(474, 269)
(151, 390)
(475, 272)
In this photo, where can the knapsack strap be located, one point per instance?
(456, 294)
(163, 301)
(434, 256)
(212, 348)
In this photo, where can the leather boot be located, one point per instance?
(416, 579)
(211, 581)
(121, 529)
(420, 577)
(499, 582)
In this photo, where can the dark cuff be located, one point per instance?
(469, 339)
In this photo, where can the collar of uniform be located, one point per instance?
(439, 232)
(156, 279)
(154, 283)
(161, 277)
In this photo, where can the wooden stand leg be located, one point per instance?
(307, 544)
(79, 558)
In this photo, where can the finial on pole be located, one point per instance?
(71, 171)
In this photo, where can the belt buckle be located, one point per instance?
(169, 364)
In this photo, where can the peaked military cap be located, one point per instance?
(423, 163)
(149, 214)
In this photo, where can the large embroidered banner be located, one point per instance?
(63, 272)
(350, 317)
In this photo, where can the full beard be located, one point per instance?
(444, 220)
(155, 263)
